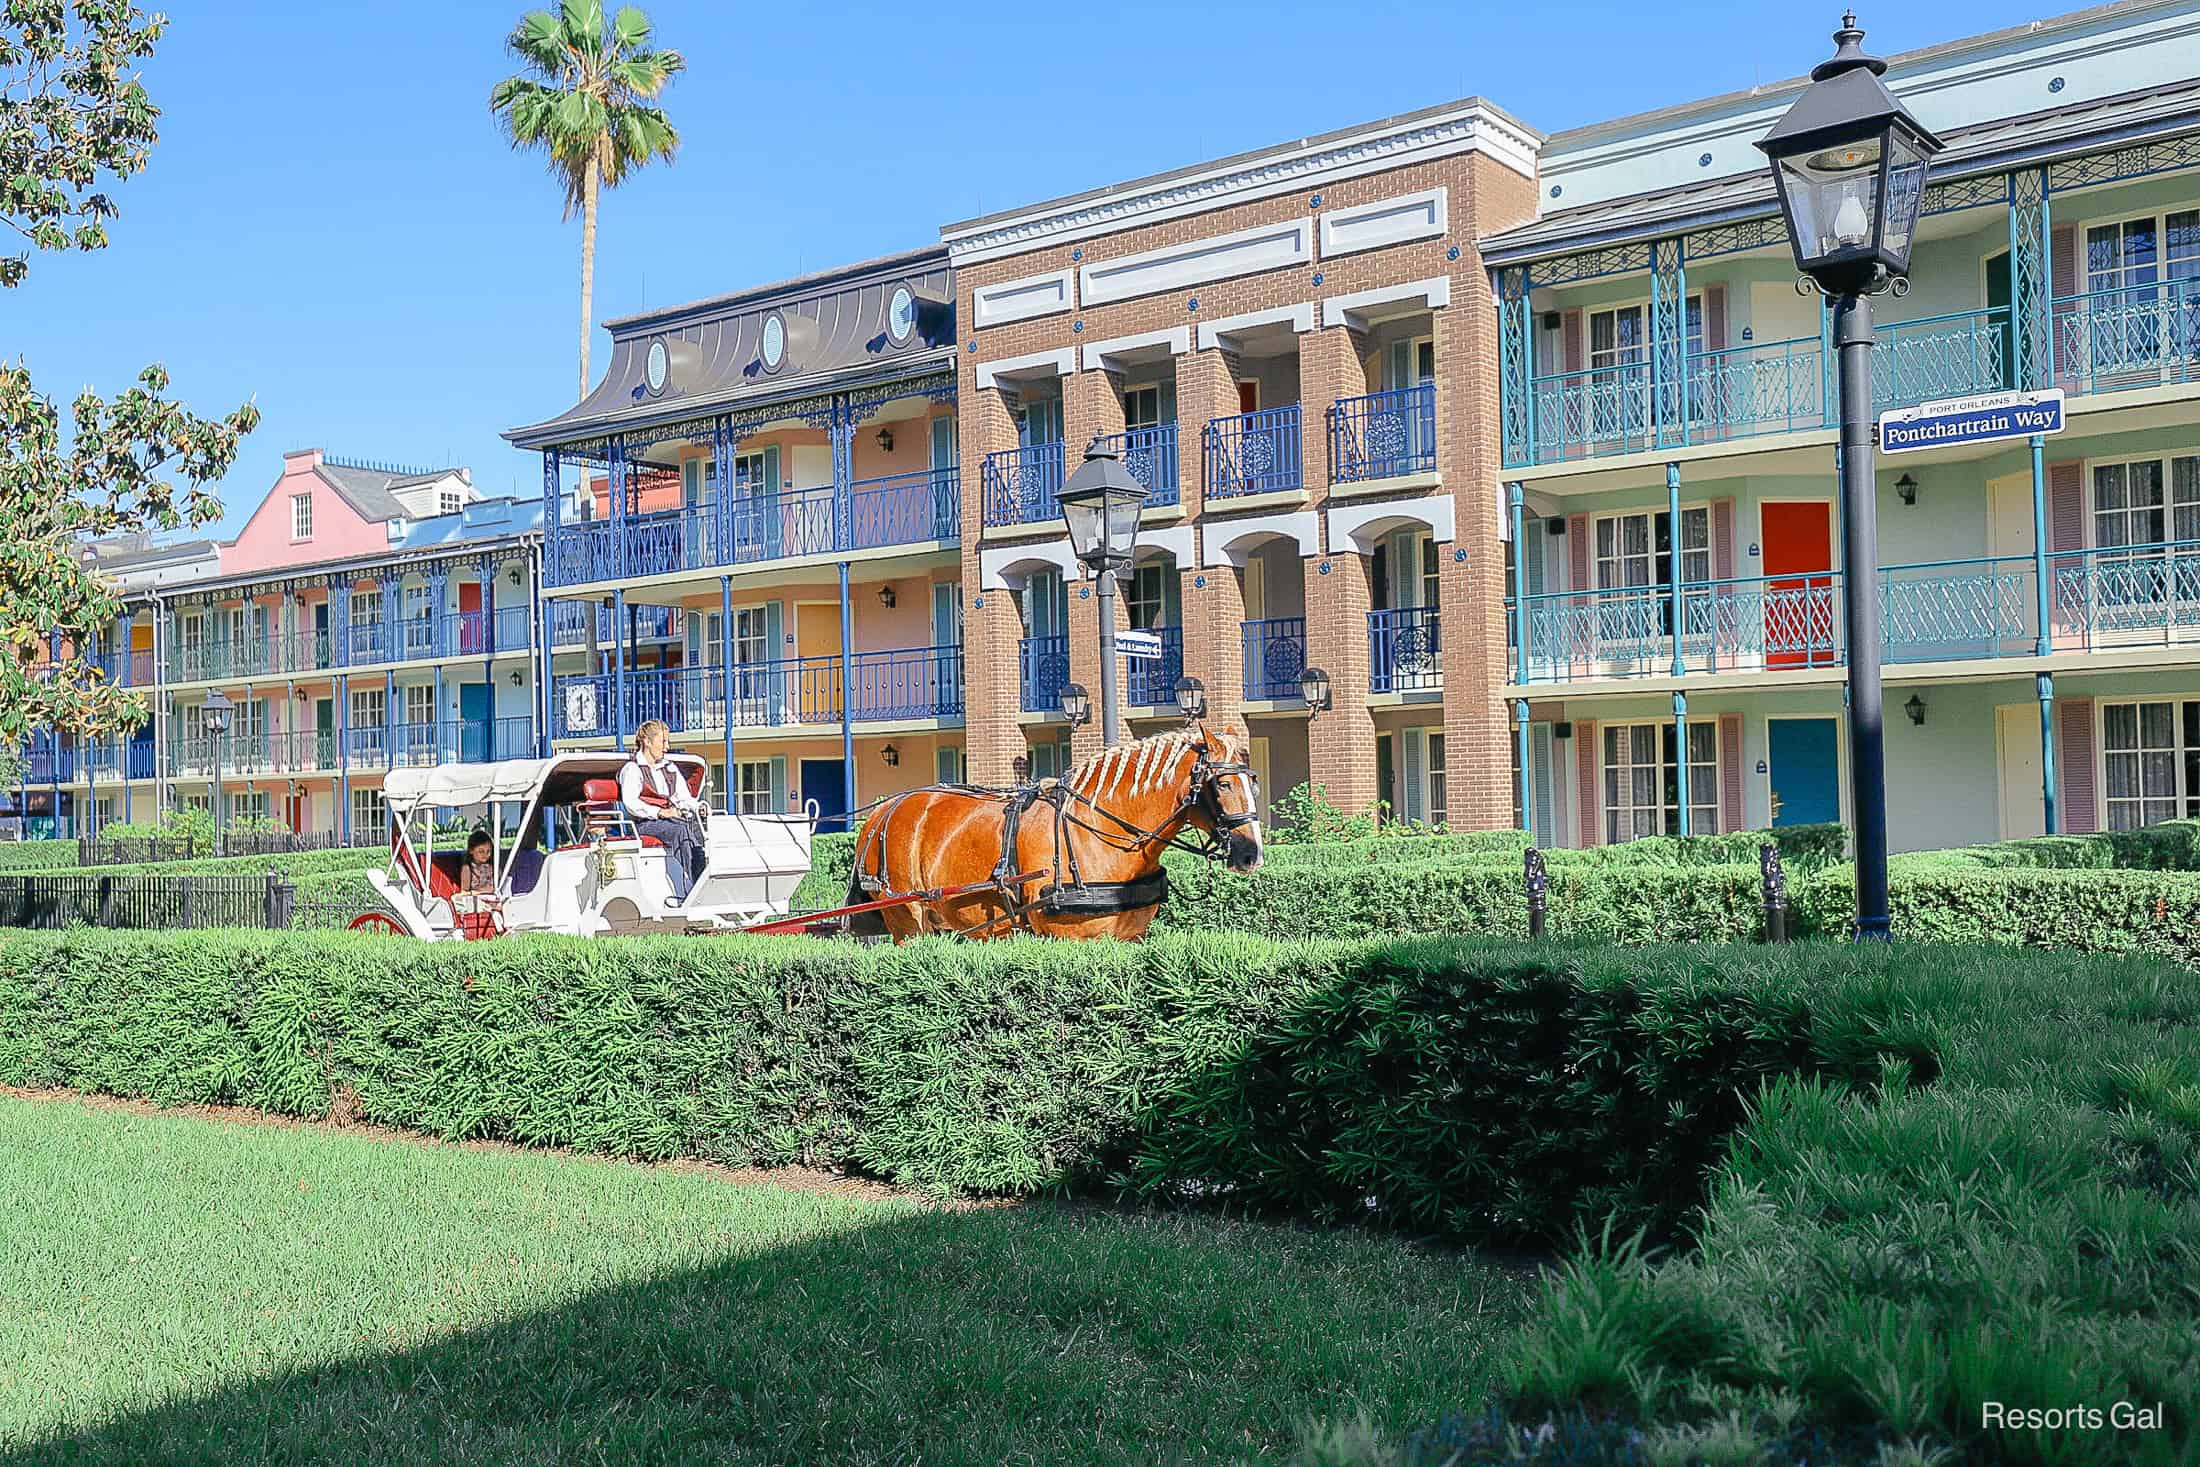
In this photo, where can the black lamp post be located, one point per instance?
(1849, 162)
(1100, 506)
(215, 718)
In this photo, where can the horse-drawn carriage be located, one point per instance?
(1078, 856)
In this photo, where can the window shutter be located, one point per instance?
(1569, 335)
(2062, 283)
(1722, 539)
(779, 783)
(1730, 773)
(1714, 318)
(1539, 783)
(1530, 551)
(1586, 801)
(947, 764)
(776, 667)
(691, 481)
(1415, 745)
(1577, 550)
(2065, 532)
(2074, 766)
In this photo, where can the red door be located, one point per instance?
(1799, 612)
(472, 635)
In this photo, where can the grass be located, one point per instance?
(174, 1288)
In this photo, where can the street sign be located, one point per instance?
(1987, 418)
(1142, 645)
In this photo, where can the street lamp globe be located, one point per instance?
(1076, 704)
(1849, 162)
(1100, 506)
(1314, 688)
(1191, 698)
(214, 716)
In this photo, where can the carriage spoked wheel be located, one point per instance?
(381, 922)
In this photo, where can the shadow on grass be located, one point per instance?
(1036, 1334)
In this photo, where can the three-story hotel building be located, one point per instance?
(1525, 441)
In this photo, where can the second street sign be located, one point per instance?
(1984, 419)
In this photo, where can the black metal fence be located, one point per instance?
(147, 902)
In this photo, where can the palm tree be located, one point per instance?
(585, 100)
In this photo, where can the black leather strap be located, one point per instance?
(1105, 898)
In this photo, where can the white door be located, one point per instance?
(2017, 746)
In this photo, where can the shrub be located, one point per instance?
(37, 855)
(1305, 814)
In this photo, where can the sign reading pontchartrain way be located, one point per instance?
(1983, 419)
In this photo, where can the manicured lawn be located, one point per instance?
(173, 1288)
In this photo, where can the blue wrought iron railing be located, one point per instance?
(1760, 387)
(1019, 484)
(2138, 336)
(1150, 682)
(1149, 456)
(899, 683)
(1383, 434)
(1937, 611)
(119, 759)
(1042, 672)
(1405, 649)
(1275, 655)
(1254, 453)
(126, 669)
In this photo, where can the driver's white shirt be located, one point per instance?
(659, 775)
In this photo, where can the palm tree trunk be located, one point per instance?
(588, 265)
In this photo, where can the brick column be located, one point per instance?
(1091, 404)
(1206, 388)
(992, 738)
(1341, 739)
(1328, 370)
(1213, 600)
(1478, 744)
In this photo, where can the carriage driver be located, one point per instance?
(663, 807)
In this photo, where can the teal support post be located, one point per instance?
(847, 697)
(2048, 803)
(618, 666)
(2043, 599)
(726, 674)
(1527, 783)
(1520, 591)
(1680, 754)
(343, 755)
(1673, 544)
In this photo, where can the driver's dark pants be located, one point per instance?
(684, 853)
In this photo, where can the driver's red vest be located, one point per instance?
(653, 797)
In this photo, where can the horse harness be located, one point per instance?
(1078, 897)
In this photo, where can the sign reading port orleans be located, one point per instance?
(1983, 419)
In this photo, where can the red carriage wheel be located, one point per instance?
(378, 922)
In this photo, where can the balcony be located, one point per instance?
(1404, 650)
(570, 622)
(2120, 598)
(451, 634)
(755, 526)
(1150, 682)
(1383, 434)
(2116, 340)
(1042, 665)
(116, 759)
(1019, 484)
(1254, 453)
(126, 669)
(1275, 655)
(903, 683)
(1149, 456)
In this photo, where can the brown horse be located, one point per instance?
(1076, 857)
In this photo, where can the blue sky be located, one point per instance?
(332, 224)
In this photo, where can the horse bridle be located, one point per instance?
(1202, 795)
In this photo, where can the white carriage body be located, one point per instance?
(599, 877)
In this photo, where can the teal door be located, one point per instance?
(1804, 755)
(476, 740)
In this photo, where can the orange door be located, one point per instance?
(1798, 561)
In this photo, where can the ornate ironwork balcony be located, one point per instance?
(1383, 434)
(1043, 671)
(1019, 484)
(1150, 682)
(1149, 456)
(900, 683)
(1254, 453)
(2139, 336)
(1275, 655)
(1405, 649)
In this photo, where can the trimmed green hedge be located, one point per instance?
(297, 863)
(37, 855)
(1462, 1088)
(2173, 845)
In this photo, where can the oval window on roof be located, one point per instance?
(659, 364)
(901, 314)
(774, 347)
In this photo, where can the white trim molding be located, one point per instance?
(1007, 567)
(1299, 318)
(1468, 126)
(1061, 363)
(1178, 340)
(1230, 542)
(1176, 540)
(1423, 215)
(1338, 310)
(1195, 262)
(1364, 525)
(1025, 297)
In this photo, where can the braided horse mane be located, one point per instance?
(1134, 768)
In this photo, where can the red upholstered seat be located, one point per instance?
(600, 791)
